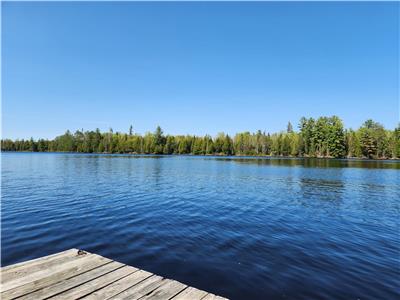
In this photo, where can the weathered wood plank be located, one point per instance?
(44, 272)
(166, 291)
(69, 275)
(140, 289)
(119, 286)
(38, 280)
(213, 297)
(38, 265)
(96, 284)
(36, 261)
(70, 283)
(190, 293)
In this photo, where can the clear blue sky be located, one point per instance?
(196, 67)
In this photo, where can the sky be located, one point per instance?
(196, 67)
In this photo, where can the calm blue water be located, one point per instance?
(240, 227)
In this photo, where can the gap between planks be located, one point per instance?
(76, 274)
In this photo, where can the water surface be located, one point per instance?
(244, 228)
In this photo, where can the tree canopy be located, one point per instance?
(322, 137)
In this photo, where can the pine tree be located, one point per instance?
(289, 128)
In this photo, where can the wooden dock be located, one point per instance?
(76, 274)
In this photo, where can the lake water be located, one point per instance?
(244, 228)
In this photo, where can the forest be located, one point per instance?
(322, 137)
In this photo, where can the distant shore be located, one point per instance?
(324, 137)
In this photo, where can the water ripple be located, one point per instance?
(246, 228)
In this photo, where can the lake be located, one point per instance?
(244, 228)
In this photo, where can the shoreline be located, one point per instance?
(215, 155)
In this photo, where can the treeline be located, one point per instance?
(322, 137)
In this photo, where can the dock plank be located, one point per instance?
(96, 284)
(213, 297)
(166, 291)
(190, 293)
(75, 281)
(38, 280)
(38, 265)
(119, 286)
(75, 274)
(141, 289)
(37, 261)
(43, 273)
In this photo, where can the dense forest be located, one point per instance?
(322, 137)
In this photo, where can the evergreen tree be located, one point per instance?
(353, 144)
(159, 141)
(227, 148)
(372, 138)
(396, 142)
(289, 128)
(324, 137)
(336, 139)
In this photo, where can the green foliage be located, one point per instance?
(395, 142)
(289, 128)
(323, 137)
(335, 138)
(353, 144)
(373, 138)
(159, 141)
